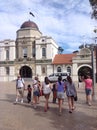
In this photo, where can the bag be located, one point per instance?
(75, 98)
(41, 93)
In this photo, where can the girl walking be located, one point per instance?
(71, 93)
(46, 90)
(60, 87)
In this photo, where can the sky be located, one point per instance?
(68, 22)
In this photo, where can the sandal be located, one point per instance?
(70, 111)
(73, 108)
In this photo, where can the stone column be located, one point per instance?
(74, 72)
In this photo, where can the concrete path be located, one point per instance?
(25, 117)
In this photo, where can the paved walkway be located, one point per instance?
(25, 117)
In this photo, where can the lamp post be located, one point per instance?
(92, 47)
(93, 73)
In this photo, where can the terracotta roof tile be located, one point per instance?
(63, 58)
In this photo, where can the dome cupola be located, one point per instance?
(29, 24)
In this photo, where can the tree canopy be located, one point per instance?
(93, 3)
(60, 50)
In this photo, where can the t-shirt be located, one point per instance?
(70, 89)
(46, 88)
(35, 85)
(88, 83)
(60, 87)
(20, 83)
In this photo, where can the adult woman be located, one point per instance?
(46, 86)
(35, 91)
(60, 87)
(71, 93)
(88, 89)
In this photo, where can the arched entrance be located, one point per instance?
(26, 72)
(84, 70)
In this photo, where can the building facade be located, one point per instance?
(33, 54)
(30, 55)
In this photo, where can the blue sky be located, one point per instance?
(68, 22)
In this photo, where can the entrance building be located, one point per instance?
(33, 54)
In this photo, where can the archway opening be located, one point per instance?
(26, 72)
(83, 71)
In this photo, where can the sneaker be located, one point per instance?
(89, 104)
(16, 101)
(22, 101)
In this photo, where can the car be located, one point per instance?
(54, 77)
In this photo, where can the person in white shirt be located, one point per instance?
(46, 86)
(20, 86)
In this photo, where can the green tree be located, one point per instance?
(60, 50)
(93, 3)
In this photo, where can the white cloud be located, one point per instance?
(65, 21)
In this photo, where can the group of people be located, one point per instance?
(58, 88)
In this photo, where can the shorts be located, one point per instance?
(20, 91)
(60, 95)
(36, 93)
(88, 91)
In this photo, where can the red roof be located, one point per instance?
(63, 58)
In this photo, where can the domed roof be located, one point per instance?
(29, 24)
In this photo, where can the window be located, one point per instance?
(69, 69)
(43, 40)
(43, 70)
(33, 50)
(7, 70)
(25, 52)
(59, 69)
(43, 52)
(7, 54)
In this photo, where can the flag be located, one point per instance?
(31, 14)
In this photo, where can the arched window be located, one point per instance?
(43, 70)
(69, 69)
(59, 69)
(33, 50)
(43, 52)
(25, 52)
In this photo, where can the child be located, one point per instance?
(29, 93)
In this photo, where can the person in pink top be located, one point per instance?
(88, 89)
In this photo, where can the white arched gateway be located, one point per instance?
(82, 63)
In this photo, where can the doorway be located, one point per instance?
(83, 71)
(26, 72)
